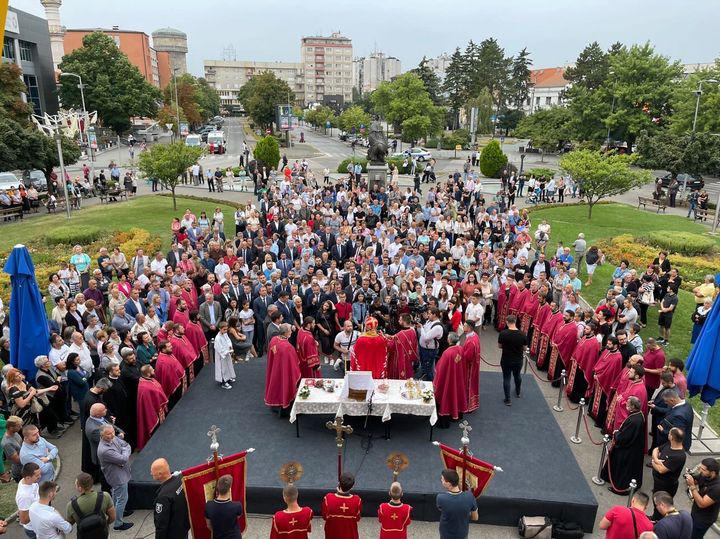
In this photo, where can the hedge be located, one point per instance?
(539, 172)
(492, 160)
(685, 243)
(73, 235)
(397, 161)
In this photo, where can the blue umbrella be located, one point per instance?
(29, 335)
(703, 363)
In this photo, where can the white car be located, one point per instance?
(421, 154)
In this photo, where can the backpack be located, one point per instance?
(92, 525)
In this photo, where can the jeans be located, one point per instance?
(699, 530)
(691, 210)
(427, 363)
(30, 533)
(521, 186)
(120, 499)
(507, 370)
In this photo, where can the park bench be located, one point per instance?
(113, 195)
(701, 215)
(645, 201)
(9, 212)
(59, 204)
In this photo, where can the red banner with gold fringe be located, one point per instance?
(199, 484)
(478, 473)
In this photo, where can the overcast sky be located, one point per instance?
(554, 31)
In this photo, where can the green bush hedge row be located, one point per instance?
(73, 235)
(685, 243)
(397, 161)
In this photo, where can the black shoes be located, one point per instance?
(507, 402)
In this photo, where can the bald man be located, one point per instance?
(171, 513)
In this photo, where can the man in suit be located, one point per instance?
(291, 251)
(283, 306)
(210, 316)
(273, 327)
(173, 256)
(236, 289)
(312, 300)
(284, 264)
(135, 305)
(93, 427)
(246, 252)
(337, 253)
(680, 415)
(327, 237)
(260, 307)
(223, 297)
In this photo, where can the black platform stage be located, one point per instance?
(541, 476)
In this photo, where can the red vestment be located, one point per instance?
(541, 315)
(564, 342)
(292, 525)
(341, 513)
(471, 364)
(402, 353)
(583, 360)
(151, 409)
(653, 359)
(370, 354)
(604, 378)
(309, 358)
(506, 294)
(394, 520)
(546, 334)
(186, 354)
(629, 389)
(518, 300)
(172, 306)
(170, 373)
(450, 383)
(191, 298)
(528, 310)
(282, 374)
(195, 335)
(182, 318)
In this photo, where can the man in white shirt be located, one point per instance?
(46, 521)
(79, 347)
(27, 494)
(430, 335)
(159, 264)
(475, 311)
(345, 342)
(220, 270)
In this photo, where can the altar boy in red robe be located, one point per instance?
(394, 516)
(471, 363)
(562, 345)
(341, 510)
(294, 522)
(283, 372)
(307, 349)
(450, 382)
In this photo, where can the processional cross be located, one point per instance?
(339, 429)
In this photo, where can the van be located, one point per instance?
(216, 142)
(193, 140)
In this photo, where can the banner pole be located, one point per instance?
(465, 441)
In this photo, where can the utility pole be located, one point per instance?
(177, 103)
(84, 124)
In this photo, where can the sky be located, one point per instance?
(554, 31)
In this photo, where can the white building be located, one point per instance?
(228, 76)
(689, 69)
(439, 65)
(369, 71)
(327, 64)
(547, 88)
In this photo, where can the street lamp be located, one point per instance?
(84, 124)
(177, 103)
(698, 93)
(58, 141)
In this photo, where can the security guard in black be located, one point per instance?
(171, 513)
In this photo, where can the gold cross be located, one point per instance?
(339, 429)
(293, 522)
(344, 507)
(394, 516)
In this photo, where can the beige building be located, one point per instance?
(327, 63)
(174, 43)
(369, 71)
(228, 76)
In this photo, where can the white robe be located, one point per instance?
(224, 370)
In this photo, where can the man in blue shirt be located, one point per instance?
(37, 449)
(456, 507)
(566, 258)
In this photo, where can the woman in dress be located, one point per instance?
(241, 347)
(20, 398)
(325, 329)
(118, 262)
(57, 288)
(219, 221)
(73, 317)
(59, 312)
(73, 279)
(232, 311)
(124, 285)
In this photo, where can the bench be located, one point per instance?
(645, 201)
(58, 204)
(112, 196)
(701, 215)
(10, 212)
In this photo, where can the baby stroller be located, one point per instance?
(533, 197)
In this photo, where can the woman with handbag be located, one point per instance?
(29, 403)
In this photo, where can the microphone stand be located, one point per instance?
(369, 408)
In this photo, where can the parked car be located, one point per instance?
(216, 142)
(8, 180)
(193, 140)
(694, 182)
(36, 178)
(421, 154)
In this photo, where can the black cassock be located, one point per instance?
(87, 464)
(625, 461)
(130, 377)
(118, 401)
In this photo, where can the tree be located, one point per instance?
(353, 118)
(492, 160)
(198, 100)
(679, 153)
(168, 115)
(455, 84)
(430, 80)
(546, 128)
(166, 163)
(11, 87)
(115, 87)
(261, 95)
(684, 100)
(519, 83)
(47, 158)
(601, 176)
(489, 68)
(590, 69)
(319, 116)
(509, 119)
(267, 150)
(485, 110)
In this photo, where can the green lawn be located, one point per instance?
(610, 220)
(153, 213)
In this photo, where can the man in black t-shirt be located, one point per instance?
(222, 513)
(667, 463)
(671, 523)
(512, 342)
(666, 309)
(704, 488)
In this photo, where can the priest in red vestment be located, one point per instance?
(170, 373)
(529, 308)
(307, 349)
(506, 294)
(293, 522)
(394, 516)
(582, 362)
(546, 334)
(196, 336)
(370, 351)
(403, 350)
(471, 364)
(189, 294)
(183, 351)
(604, 380)
(182, 315)
(634, 386)
(341, 510)
(563, 344)
(541, 315)
(450, 383)
(283, 370)
(151, 405)
(653, 362)
(518, 300)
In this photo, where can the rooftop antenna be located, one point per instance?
(229, 54)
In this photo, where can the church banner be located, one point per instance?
(199, 484)
(478, 473)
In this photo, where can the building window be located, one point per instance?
(8, 48)
(26, 51)
(33, 94)
(537, 101)
(548, 100)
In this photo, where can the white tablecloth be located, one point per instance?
(384, 404)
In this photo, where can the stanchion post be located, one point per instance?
(703, 420)
(581, 410)
(558, 407)
(597, 479)
(525, 355)
(631, 492)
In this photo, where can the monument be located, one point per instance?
(377, 150)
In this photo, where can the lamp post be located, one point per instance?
(177, 103)
(84, 124)
(58, 141)
(698, 93)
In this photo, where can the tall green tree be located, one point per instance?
(11, 87)
(456, 85)
(685, 98)
(430, 80)
(591, 68)
(198, 100)
(261, 95)
(518, 87)
(168, 162)
(489, 68)
(352, 118)
(320, 116)
(115, 88)
(679, 152)
(267, 150)
(485, 111)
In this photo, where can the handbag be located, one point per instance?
(535, 527)
(567, 530)
(39, 403)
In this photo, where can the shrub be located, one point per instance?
(397, 161)
(267, 150)
(492, 160)
(342, 167)
(540, 171)
(682, 242)
(73, 235)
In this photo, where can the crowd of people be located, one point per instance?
(309, 266)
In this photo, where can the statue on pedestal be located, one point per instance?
(377, 148)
